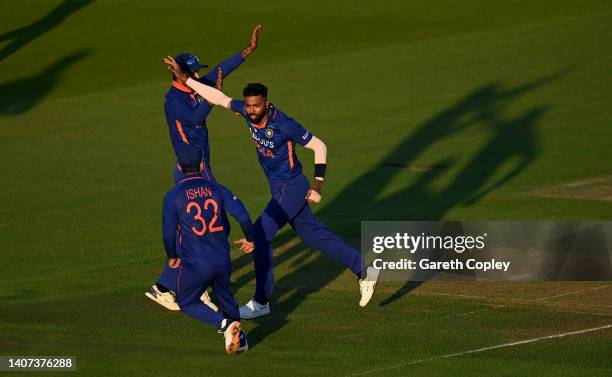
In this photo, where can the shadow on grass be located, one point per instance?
(22, 36)
(511, 144)
(21, 95)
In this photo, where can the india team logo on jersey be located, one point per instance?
(269, 133)
(262, 141)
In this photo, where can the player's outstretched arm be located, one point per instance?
(237, 209)
(319, 148)
(252, 43)
(233, 62)
(320, 160)
(212, 95)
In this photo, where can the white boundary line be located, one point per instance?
(601, 306)
(571, 293)
(507, 299)
(483, 349)
(472, 312)
(519, 301)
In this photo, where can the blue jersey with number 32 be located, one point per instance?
(195, 211)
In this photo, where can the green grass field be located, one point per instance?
(465, 110)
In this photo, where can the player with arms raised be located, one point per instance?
(275, 136)
(186, 115)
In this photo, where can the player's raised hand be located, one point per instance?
(252, 43)
(245, 246)
(175, 69)
(219, 82)
(255, 37)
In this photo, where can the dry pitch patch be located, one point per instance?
(563, 296)
(597, 188)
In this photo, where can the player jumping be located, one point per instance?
(275, 135)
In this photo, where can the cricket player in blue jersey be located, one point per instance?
(197, 208)
(186, 114)
(275, 136)
(186, 111)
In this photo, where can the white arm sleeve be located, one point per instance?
(319, 148)
(212, 95)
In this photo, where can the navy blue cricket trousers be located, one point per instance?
(194, 277)
(289, 205)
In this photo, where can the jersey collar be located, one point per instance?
(182, 87)
(191, 176)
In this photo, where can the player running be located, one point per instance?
(196, 206)
(275, 136)
(186, 115)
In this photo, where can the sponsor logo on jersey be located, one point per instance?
(263, 151)
(264, 142)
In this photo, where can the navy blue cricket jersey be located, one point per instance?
(186, 111)
(195, 209)
(275, 142)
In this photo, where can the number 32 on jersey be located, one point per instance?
(212, 227)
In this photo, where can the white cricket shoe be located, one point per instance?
(205, 298)
(367, 285)
(253, 309)
(165, 299)
(235, 338)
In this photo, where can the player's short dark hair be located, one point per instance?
(255, 89)
(189, 168)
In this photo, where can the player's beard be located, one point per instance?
(259, 118)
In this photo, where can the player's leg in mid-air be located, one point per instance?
(317, 236)
(193, 280)
(289, 205)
